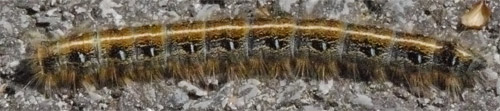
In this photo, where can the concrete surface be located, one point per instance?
(55, 18)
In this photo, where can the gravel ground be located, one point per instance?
(55, 18)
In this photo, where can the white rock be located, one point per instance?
(32, 100)
(301, 86)
(388, 84)
(191, 88)
(225, 102)
(240, 102)
(19, 94)
(151, 93)
(80, 10)
(187, 105)
(252, 91)
(61, 104)
(310, 5)
(292, 92)
(7, 25)
(232, 102)
(94, 96)
(490, 74)
(282, 83)
(324, 86)
(103, 106)
(253, 81)
(312, 108)
(203, 105)
(496, 58)
(259, 108)
(159, 106)
(286, 5)
(213, 81)
(52, 12)
(498, 87)
(107, 9)
(363, 100)
(206, 11)
(13, 63)
(180, 97)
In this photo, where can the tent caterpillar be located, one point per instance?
(232, 48)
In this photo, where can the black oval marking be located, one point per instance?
(319, 45)
(115, 53)
(270, 42)
(76, 57)
(450, 59)
(274, 43)
(146, 50)
(417, 58)
(447, 56)
(370, 51)
(191, 48)
(229, 44)
(188, 47)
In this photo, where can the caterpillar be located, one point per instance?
(254, 47)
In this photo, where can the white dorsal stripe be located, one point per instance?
(90, 41)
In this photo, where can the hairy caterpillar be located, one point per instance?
(265, 47)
